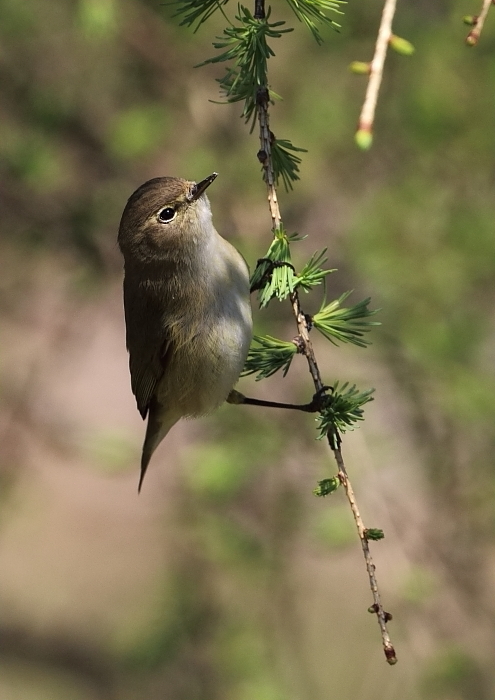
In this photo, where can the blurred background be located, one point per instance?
(226, 578)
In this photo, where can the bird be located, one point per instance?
(186, 306)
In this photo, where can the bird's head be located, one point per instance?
(165, 217)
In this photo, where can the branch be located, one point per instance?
(377, 607)
(477, 22)
(265, 152)
(364, 134)
(306, 348)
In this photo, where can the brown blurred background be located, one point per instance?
(226, 579)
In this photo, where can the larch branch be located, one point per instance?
(367, 116)
(265, 158)
(479, 21)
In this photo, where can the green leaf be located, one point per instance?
(271, 356)
(345, 324)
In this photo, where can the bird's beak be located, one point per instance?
(199, 187)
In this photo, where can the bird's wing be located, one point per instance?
(147, 343)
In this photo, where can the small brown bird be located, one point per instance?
(187, 305)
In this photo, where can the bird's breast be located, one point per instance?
(210, 334)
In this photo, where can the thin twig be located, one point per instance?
(377, 607)
(367, 115)
(306, 345)
(474, 34)
(265, 158)
(265, 153)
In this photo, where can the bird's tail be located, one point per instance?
(159, 423)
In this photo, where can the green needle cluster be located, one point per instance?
(327, 486)
(246, 45)
(345, 324)
(197, 11)
(274, 276)
(268, 356)
(312, 13)
(312, 273)
(343, 407)
(285, 162)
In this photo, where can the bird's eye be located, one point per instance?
(165, 216)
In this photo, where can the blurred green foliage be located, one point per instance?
(419, 585)
(454, 673)
(137, 132)
(334, 527)
(111, 451)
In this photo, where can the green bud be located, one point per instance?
(470, 20)
(327, 486)
(364, 139)
(402, 46)
(360, 68)
(373, 533)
